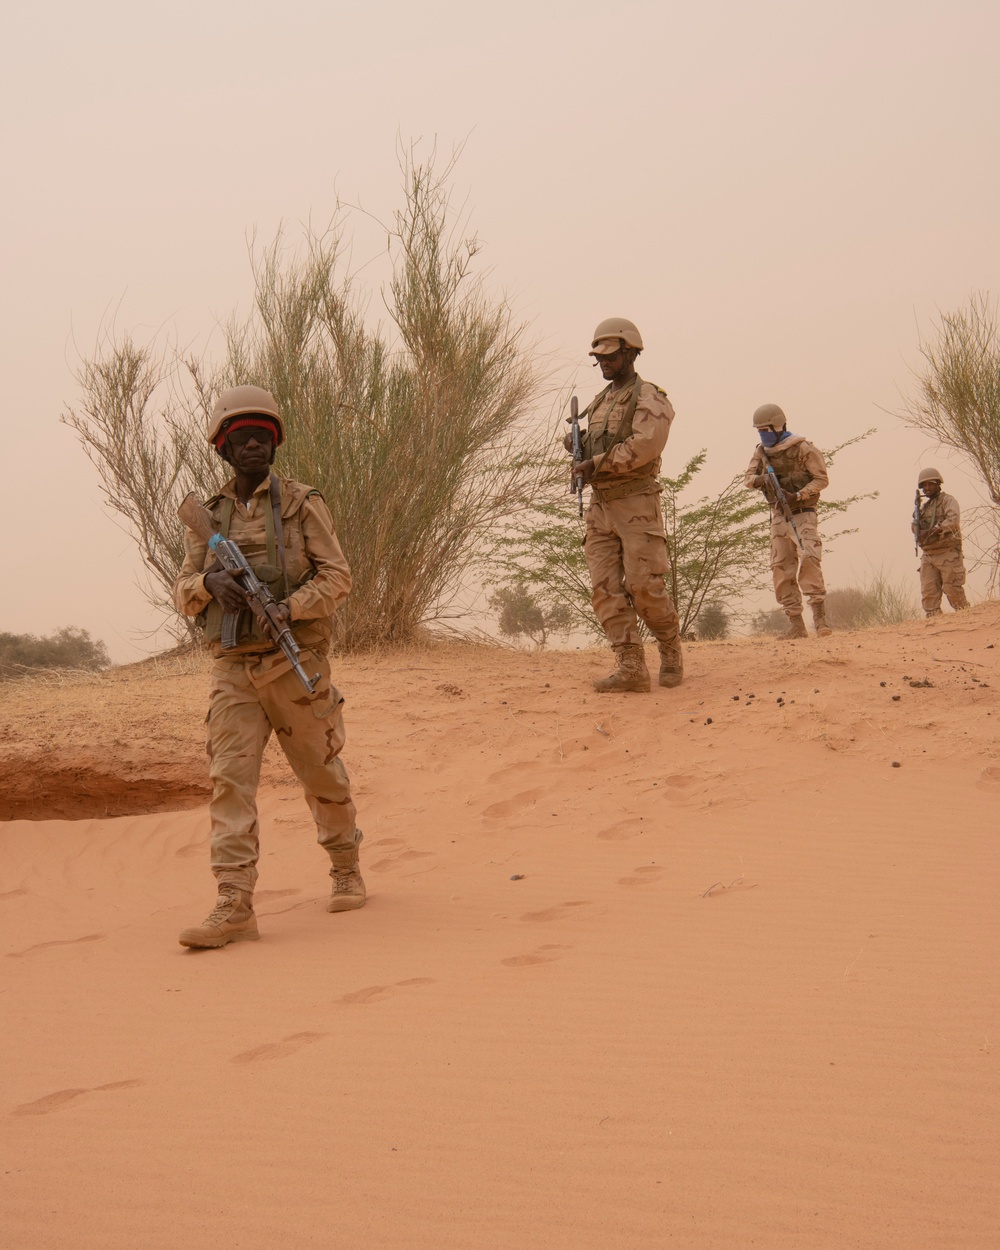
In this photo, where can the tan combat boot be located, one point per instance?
(823, 630)
(631, 673)
(671, 665)
(233, 920)
(796, 629)
(348, 891)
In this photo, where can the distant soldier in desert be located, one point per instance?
(625, 543)
(791, 472)
(936, 526)
(285, 531)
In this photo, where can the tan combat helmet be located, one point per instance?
(768, 414)
(928, 475)
(245, 401)
(609, 332)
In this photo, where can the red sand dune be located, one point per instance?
(742, 991)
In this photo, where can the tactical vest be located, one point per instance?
(598, 442)
(265, 560)
(791, 473)
(930, 519)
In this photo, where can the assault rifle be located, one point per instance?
(258, 596)
(576, 483)
(777, 497)
(916, 522)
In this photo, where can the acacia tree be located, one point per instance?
(718, 545)
(417, 435)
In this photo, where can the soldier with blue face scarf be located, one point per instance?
(796, 549)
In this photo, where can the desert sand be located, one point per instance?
(699, 968)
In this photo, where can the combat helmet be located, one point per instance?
(768, 414)
(609, 332)
(244, 401)
(928, 475)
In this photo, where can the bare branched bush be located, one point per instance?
(957, 400)
(68, 649)
(419, 438)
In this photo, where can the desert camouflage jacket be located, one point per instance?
(798, 464)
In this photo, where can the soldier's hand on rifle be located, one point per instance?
(760, 481)
(283, 619)
(583, 471)
(792, 496)
(224, 590)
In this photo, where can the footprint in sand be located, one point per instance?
(989, 778)
(386, 842)
(192, 849)
(375, 993)
(621, 832)
(540, 955)
(52, 1102)
(44, 946)
(644, 875)
(278, 1050)
(559, 912)
(11, 894)
(517, 803)
(263, 896)
(513, 772)
(399, 860)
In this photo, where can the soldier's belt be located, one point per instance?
(624, 490)
(796, 511)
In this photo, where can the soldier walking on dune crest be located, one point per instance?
(938, 531)
(285, 531)
(791, 472)
(625, 543)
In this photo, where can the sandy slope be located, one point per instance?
(743, 993)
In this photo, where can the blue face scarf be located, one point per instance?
(770, 439)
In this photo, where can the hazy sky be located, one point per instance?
(779, 194)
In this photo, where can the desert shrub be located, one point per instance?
(66, 648)
(417, 435)
(845, 608)
(713, 622)
(719, 547)
(769, 622)
(520, 614)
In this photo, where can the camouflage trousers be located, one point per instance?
(247, 703)
(942, 571)
(627, 558)
(797, 573)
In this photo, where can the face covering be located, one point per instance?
(770, 439)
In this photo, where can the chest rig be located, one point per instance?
(599, 441)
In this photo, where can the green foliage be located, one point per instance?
(957, 400)
(719, 548)
(66, 648)
(521, 615)
(417, 435)
(712, 624)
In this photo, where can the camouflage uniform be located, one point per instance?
(800, 467)
(253, 689)
(625, 543)
(942, 568)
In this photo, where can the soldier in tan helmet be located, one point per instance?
(625, 544)
(796, 549)
(285, 531)
(938, 532)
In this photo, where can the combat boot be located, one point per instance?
(348, 891)
(823, 630)
(671, 665)
(631, 673)
(233, 920)
(796, 629)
